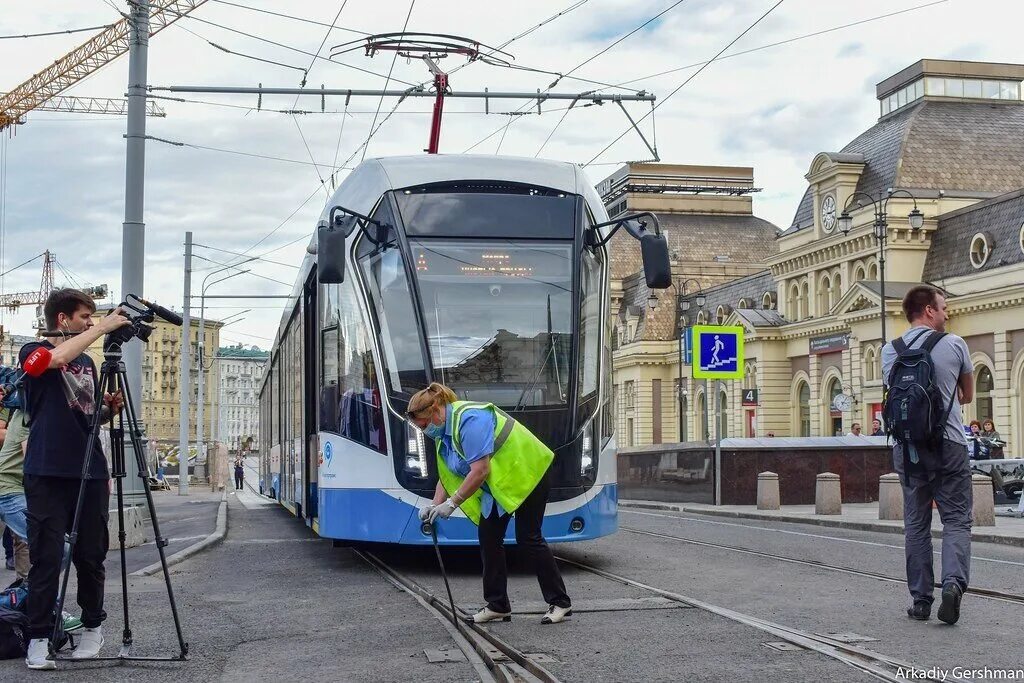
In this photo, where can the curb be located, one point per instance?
(219, 532)
(977, 537)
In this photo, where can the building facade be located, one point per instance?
(951, 135)
(240, 370)
(10, 346)
(161, 374)
(706, 214)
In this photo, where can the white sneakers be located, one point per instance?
(487, 614)
(90, 640)
(38, 656)
(556, 614)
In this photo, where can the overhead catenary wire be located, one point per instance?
(387, 80)
(688, 80)
(255, 155)
(579, 66)
(196, 245)
(229, 51)
(238, 267)
(277, 44)
(67, 31)
(292, 17)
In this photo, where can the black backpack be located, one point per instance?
(13, 633)
(914, 410)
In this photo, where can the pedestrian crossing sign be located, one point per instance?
(717, 352)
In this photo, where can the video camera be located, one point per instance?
(140, 314)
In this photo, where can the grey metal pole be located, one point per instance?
(881, 234)
(133, 230)
(355, 92)
(718, 444)
(186, 371)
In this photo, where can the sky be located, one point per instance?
(772, 109)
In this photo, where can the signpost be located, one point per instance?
(718, 355)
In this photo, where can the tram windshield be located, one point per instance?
(499, 317)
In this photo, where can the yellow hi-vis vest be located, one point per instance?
(518, 463)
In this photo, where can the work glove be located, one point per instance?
(425, 512)
(442, 511)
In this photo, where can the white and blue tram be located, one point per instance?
(489, 274)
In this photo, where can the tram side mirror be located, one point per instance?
(330, 244)
(657, 265)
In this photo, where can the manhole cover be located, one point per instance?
(849, 637)
(783, 646)
(439, 656)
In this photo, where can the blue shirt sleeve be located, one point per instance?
(476, 434)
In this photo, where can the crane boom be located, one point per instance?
(118, 106)
(105, 46)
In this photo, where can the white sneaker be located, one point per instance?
(487, 614)
(90, 640)
(38, 656)
(556, 614)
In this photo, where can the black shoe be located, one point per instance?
(949, 610)
(922, 611)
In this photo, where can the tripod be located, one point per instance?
(113, 378)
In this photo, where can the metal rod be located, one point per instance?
(653, 150)
(243, 296)
(133, 231)
(186, 372)
(465, 94)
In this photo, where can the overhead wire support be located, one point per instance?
(540, 97)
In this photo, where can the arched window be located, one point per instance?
(836, 293)
(868, 364)
(723, 415)
(744, 304)
(834, 417)
(859, 273)
(824, 295)
(750, 376)
(873, 270)
(805, 295)
(720, 315)
(768, 299)
(701, 318)
(793, 302)
(983, 393)
(804, 408)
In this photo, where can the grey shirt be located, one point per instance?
(952, 358)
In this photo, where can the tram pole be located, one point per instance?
(186, 371)
(133, 230)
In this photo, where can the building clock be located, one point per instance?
(828, 213)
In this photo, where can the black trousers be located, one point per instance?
(238, 481)
(51, 510)
(530, 539)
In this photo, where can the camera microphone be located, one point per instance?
(167, 314)
(35, 364)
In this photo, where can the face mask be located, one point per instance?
(434, 431)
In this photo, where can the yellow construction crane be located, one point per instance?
(105, 46)
(13, 301)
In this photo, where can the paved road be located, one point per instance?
(275, 602)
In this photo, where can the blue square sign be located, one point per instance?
(717, 352)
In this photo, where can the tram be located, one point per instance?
(488, 274)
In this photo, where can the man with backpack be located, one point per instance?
(928, 374)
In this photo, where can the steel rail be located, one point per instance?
(988, 593)
(874, 664)
(484, 650)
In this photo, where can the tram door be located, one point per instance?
(310, 392)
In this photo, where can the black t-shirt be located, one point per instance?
(60, 405)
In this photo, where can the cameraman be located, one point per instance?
(60, 404)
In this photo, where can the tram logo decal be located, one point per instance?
(328, 452)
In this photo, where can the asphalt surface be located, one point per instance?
(275, 602)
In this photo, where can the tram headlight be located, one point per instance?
(416, 451)
(587, 459)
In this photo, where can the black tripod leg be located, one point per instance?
(161, 542)
(90, 445)
(118, 474)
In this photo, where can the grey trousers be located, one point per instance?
(948, 483)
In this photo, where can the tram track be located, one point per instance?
(988, 593)
(877, 665)
(492, 658)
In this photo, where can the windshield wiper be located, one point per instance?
(536, 375)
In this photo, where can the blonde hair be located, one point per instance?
(430, 399)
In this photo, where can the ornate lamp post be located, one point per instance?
(880, 205)
(682, 306)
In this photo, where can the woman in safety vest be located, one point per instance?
(491, 467)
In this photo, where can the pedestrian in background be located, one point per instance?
(937, 470)
(876, 428)
(854, 429)
(239, 474)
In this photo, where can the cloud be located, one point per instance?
(772, 110)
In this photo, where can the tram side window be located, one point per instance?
(591, 294)
(350, 403)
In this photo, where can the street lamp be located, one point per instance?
(683, 305)
(881, 230)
